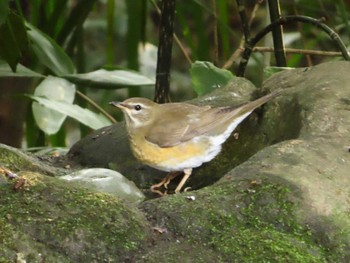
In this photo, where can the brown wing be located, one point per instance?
(215, 121)
(173, 123)
(182, 122)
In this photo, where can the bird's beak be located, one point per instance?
(117, 104)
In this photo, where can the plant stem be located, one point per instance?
(277, 33)
(94, 104)
(286, 20)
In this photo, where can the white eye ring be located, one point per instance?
(138, 107)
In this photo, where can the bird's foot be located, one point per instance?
(158, 192)
(165, 182)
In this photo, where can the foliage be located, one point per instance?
(13, 39)
(206, 77)
(47, 41)
(54, 96)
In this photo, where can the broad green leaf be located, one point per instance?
(13, 40)
(110, 79)
(206, 77)
(54, 89)
(84, 116)
(4, 11)
(21, 71)
(49, 52)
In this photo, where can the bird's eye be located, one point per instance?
(137, 107)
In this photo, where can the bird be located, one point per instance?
(177, 137)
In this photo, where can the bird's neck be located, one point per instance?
(134, 132)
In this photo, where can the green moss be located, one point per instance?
(243, 221)
(264, 245)
(62, 222)
(264, 227)
(6, 240)
(16, 160)
(181, 251)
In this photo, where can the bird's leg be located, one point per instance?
(183, 180)
(170, 176)
(159, 192)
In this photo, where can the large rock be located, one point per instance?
(109, 146)
(289, 202)
(50, 220)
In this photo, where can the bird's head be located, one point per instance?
(138, 112)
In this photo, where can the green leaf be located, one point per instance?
(136, 12)
(110, 34)
(224, 33)
(84, 116)
(54, 89)
(76, 18)
(4, 11)
(206, 77)
(13, 40)
(110, 79)
(49, 52)
(55, 19)
(21, 71)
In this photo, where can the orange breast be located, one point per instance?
(168, 158)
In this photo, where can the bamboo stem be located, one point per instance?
(277, 33)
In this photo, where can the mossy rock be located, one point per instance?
(48, 220)
(241, 220)
(15, 159)
(288, 202)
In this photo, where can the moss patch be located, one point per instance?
(241, 221)
(52, 219)
(16, 160)
(264, 245)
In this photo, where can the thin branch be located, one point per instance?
(244, 20)
(177, 40)
(286, 20)
(237, 53)
(183, 50)
(300, 51)
(309, 52)
(91, 102)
